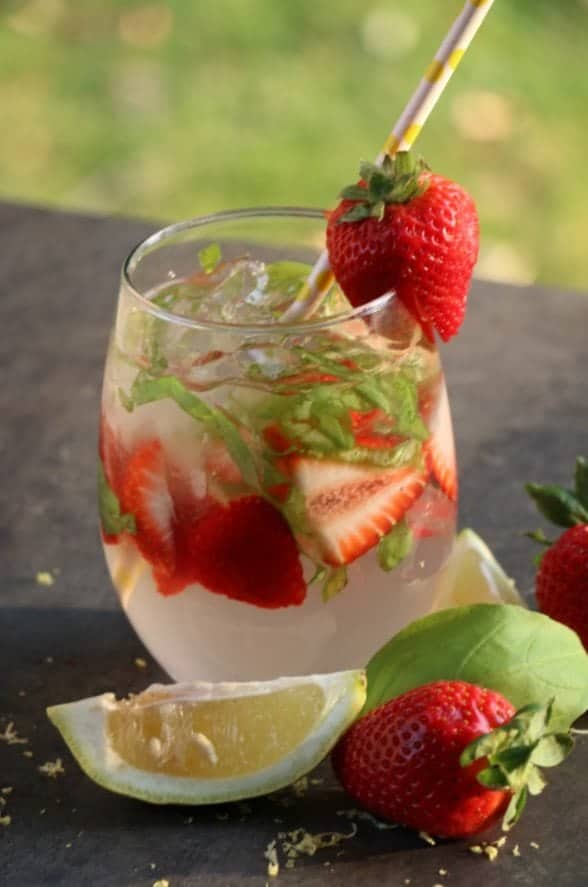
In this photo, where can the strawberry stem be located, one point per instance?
(398, 180)
(515, 751)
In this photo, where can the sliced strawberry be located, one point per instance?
(276, 439)
(246, 551)
(440, 448)
(350, 507)
(145, 494)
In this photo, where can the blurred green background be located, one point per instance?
(172, 108)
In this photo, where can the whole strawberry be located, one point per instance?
(404, 229)
(561, 585)
(438, 759)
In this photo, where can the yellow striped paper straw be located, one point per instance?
(404, 133)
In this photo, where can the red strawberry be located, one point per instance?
(562, 581)
(417, 759)
(561, 585)
(276, 439)
(246, 551)
(440, 448)
(350, 507)
(405, 229)
(145, 494)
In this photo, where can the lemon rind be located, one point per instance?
(82, 726)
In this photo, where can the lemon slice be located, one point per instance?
(472, 575)
(202, 743)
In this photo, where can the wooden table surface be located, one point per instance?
(517, 382)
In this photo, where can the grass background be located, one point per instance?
(172, 108)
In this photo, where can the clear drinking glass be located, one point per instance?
(275, 498)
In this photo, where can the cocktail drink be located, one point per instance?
(275, 498)
(278, 493)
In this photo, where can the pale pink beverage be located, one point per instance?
(274, 499)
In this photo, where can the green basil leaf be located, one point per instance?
(286, 277)
(406, 453)
(525, 655)
(148, 390)
(333, 367)
(334, 430)
(209, 257)
(335, 582)
(126, 400)
(318, 575)
(375, 394)
(111, 517)
(294, 510)
(395, 546)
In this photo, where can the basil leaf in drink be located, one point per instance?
(209, 257)
(335, 581)
(148, 390)
(157, 330)
(395, 546)
(111, 518)
(318, 575)
(286, 277)
(524, 655)
(406, 453)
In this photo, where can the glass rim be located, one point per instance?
(157, 238)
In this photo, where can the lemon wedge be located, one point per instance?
(203, 743)
(472, 575)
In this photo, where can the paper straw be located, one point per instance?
(404, 133)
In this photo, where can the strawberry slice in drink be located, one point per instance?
(350, 507)
(440, 448)
(145, 494)
(246, 551)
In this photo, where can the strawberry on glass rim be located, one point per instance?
(405, 229)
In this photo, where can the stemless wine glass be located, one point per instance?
(275, 498)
